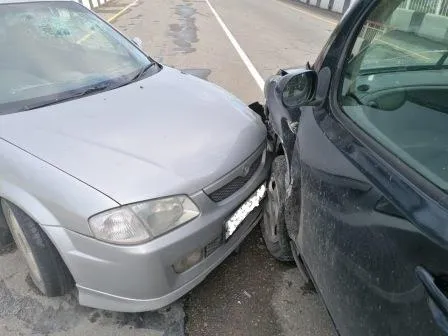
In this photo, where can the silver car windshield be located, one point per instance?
(55, 51)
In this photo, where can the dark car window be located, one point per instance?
(396, 84)
(51, 49)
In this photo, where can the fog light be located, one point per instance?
(189, 261)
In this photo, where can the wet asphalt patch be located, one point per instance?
(200, 73)
(185, 32)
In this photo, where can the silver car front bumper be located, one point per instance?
(141, 277)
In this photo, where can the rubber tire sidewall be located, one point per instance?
(57, 279)
(280, 248)
(6, 239)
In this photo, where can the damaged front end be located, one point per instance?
(286, 92)
(261, 111)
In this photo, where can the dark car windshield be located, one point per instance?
(54, 51)
(396, 50)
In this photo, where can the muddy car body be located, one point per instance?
(357, 194)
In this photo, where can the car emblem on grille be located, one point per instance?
(246, 170)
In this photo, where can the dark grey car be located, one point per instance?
(358, 192)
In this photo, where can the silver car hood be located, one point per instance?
(168, 134)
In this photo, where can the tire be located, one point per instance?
(6, 240)
(47, 269)
(273, 225)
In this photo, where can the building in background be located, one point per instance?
(438, 7)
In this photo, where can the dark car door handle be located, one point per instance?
(438, 300)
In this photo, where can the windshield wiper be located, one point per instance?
(103, 86)
(404, 68)
(442, 59)
(73, 94)
(142, 72)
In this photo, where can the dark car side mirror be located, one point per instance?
(297, 87)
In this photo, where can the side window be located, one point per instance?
(395, 83)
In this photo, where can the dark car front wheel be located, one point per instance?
(46, 267)
(273, 225)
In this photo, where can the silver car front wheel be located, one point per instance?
(47, 270)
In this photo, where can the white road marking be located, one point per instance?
(121, 12)
(247, 62)
(112, 18)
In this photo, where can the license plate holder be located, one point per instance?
(253, 202)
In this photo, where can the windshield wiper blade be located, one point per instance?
(103, 86)
(75, 94)
(142, 72)
(442, 59)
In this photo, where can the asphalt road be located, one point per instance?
(251, 293)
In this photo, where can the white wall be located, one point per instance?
(92, 3)
(324, 4)
(338, 6)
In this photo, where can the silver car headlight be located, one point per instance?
(140, 222)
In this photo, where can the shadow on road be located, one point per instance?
(235, 299)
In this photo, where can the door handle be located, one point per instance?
(438, 301)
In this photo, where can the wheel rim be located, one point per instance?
(23, 246)
(272, 210)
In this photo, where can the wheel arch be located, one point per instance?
(33, 208)
(27, 203)
(281, 151)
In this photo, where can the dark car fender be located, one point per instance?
(283, 124)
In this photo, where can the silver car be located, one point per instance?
(126, 178)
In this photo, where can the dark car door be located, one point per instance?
(372, 161)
